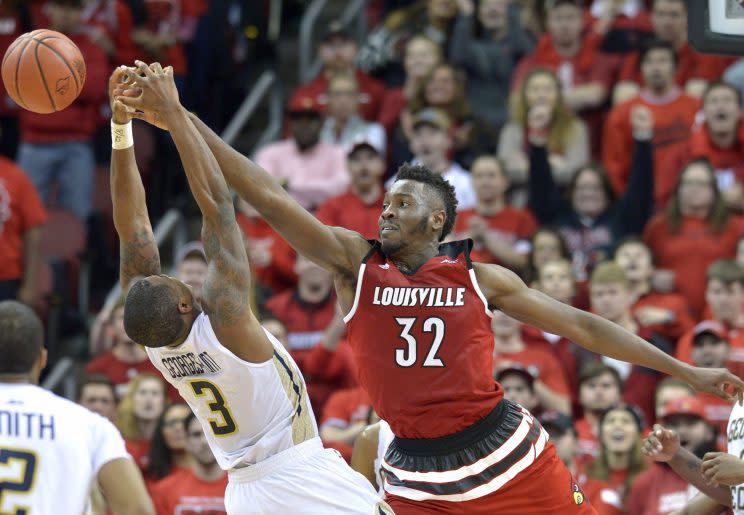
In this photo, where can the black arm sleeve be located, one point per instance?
(545, 201)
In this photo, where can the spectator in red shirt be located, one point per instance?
(669, 18)
(664, 313)
(600, 387)
(550, 385)
(56, 147)
(719, 138)
(345, 416)
(673, 114)
(696, 230)
(21, 218)
(96, 392)
(659, 490)
(168, 445)
(110, 25)
(500, 232)
(519, 386)
(199, 488)
(359, 208)
(338, 52)
(563, 435)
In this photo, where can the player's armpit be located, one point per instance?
(124, 489)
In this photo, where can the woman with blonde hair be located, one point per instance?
(567, 135)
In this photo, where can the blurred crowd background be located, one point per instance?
(592, 150)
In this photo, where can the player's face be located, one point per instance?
(193, 273)
(99, 398)
(692, 430)
(557, 281)
(722, 110)
(421, 56)
(148, 399)
(366, 167)
(610, 300)
(666, 395)
(696, 189)
(635, 260)
(709, 351)
(174, 433)
(669, 18)
(565, 23)
(619, 432)
(517, 390)
(489, 180)
(658, 69)
(588, 196)
(197, 445)
(599, 393)
(724, 300)
(406, 217)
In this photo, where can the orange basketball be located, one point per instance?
(43, 71)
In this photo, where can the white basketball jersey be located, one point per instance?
(249, 411)
(384, 437)
(51, 450)
(735, 438)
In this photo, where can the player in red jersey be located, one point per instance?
(418, 321)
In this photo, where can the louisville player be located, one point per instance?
(51, 449)
(418, 321)
(241, 384)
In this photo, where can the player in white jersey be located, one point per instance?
(719, 475)
(242, 385)
(51, 449)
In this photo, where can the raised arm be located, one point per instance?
(507, 292)
(137, 248)
(227, 286)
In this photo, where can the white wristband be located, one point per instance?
(121, 136)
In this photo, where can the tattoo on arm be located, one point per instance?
(139, 256)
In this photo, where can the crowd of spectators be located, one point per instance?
(592, 151)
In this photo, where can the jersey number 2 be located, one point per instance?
(228, 425)
(23, 476)
(407, 357)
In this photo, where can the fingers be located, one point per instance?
(156, 68)
(144, 69)
(169, 71)
(737, 384)
(131, 102)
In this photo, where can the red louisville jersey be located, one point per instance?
(423, 343)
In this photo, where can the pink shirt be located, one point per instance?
(311, 176)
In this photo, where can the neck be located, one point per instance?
(567, 48)
(618, 460)
(181, 459)
(211, 472)
(340, 122)
(723, 139)
(415, 258)
(312, 295)
(660, 91)
(304, 147)
(592, 417)
(639, 288)
(491, 206)
(499, 33)
(696, 211)
(367, 193)
(508, 344)
(147, 428)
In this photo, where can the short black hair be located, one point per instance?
(657, 44)
(21, 337)
(444, 190)
(719, 84)
(151, 316)
(96, 379)
(594, 369)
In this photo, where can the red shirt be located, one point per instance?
(423, 344)
(140, 451)
(690, 65)
(166, 16)
(542, 365)
(562, 349)
(735, 337)
(673, 302)
(371, 93)
(347, 210)
(20, 211)
(510, 225)
(79, 121)
(601, 496)
(658, 491)
(278, 274)
(673, 118)
(121, 373)
(182, 493)
(115, 18)
(346, 407)
(337, 369)
(588, 441)
(690, 251)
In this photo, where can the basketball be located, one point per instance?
(43, 71)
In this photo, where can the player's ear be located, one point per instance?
(43, 356)
(438, 218)
(185, 305)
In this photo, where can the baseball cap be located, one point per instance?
(336, 30)
(303, 104)
(363, 142)
(193, 249)
(432, 117)
(709, 327)
(554, 421)
(519, 370)
(689, 405)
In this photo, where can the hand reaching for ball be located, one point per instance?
(151, 95)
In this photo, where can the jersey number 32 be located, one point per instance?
(407, 357)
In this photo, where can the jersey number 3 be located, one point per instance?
(23, 466)
(227, 425)
(407, 357)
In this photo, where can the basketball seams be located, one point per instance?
(61, 58)
(43, 77)
(17, 72)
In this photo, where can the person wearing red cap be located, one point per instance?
(678, 446)
(311, 170)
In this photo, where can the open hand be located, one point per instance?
(157, 92)
(721, 468)
(661, 445)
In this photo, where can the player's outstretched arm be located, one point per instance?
(138, 251)
(503, 289)
(227, 287)
(663, 445)
(124, 489)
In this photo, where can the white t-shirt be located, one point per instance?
(735, 437)
(51, 450)
(249, 411)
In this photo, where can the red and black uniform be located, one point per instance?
(423, 344)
